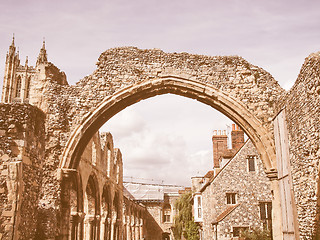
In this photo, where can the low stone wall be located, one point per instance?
(21, 152)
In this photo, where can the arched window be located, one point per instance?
(28, 87)
(167, 213)
(94, 154)
(75, 230)
(18, 88)
(106, 213)
(108, 159)
(91, 209)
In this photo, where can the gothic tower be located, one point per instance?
(27, 84)
(11, 86)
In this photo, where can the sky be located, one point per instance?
(165, 138)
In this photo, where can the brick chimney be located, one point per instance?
(237, 137)
(220, 145)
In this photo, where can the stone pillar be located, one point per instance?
(66, 218)
(128, 228)
(137, 230)
(277, 232)
(97, 221)
(141, 229)
(133, 235)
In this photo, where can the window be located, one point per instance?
(265, 210)
(94, 154)
(167, 213)
(231, 198)
(18, 87)
(251, 163)
(28, 87)
(199, 207)
(237, 231)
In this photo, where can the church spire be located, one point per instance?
(42, 57)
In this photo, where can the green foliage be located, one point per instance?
(184, 224)
(257, 234)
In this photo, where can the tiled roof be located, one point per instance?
(225, 213)
(209, 174)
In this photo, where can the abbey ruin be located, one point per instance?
(51, 187)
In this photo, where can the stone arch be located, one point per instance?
(261, 136)
(76, 207)
(106, 204)
(116, 216)
(92, 208)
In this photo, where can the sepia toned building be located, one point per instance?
(46, 125)
(236, 195)
(159, 201)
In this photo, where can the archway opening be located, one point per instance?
(261, 137)
(255, 130)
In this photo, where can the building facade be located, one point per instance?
(159, 201)
(41, 142)
(235, 197)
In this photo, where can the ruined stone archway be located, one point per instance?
(205, 93)
(245, 93)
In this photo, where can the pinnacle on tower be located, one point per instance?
(42, 58)
(12, 44)
(26, 63)
(12, 48)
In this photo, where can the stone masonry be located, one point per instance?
(220, 218)
(72, 114)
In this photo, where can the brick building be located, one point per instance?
(236, 195)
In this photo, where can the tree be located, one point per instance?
(184, 224)
(257, 234)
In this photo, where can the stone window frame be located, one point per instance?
(254, 158)
(167, 212)
(231, 198)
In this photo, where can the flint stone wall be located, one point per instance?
(66, 106)
(302, 104)
(250, 188)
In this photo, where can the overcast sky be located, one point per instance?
(166, 137)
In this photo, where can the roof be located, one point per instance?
(209, 174)
(215, 176)
(150, 192)
(225, 213)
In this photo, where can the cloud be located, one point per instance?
(125, 124)
(167, 138)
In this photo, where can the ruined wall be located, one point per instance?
(66, 106)
(303, 120)
(121, 67)
(21, 153)
(250, 189)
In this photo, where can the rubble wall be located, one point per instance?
(21, 152)
(303, 120)
(235, 178)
